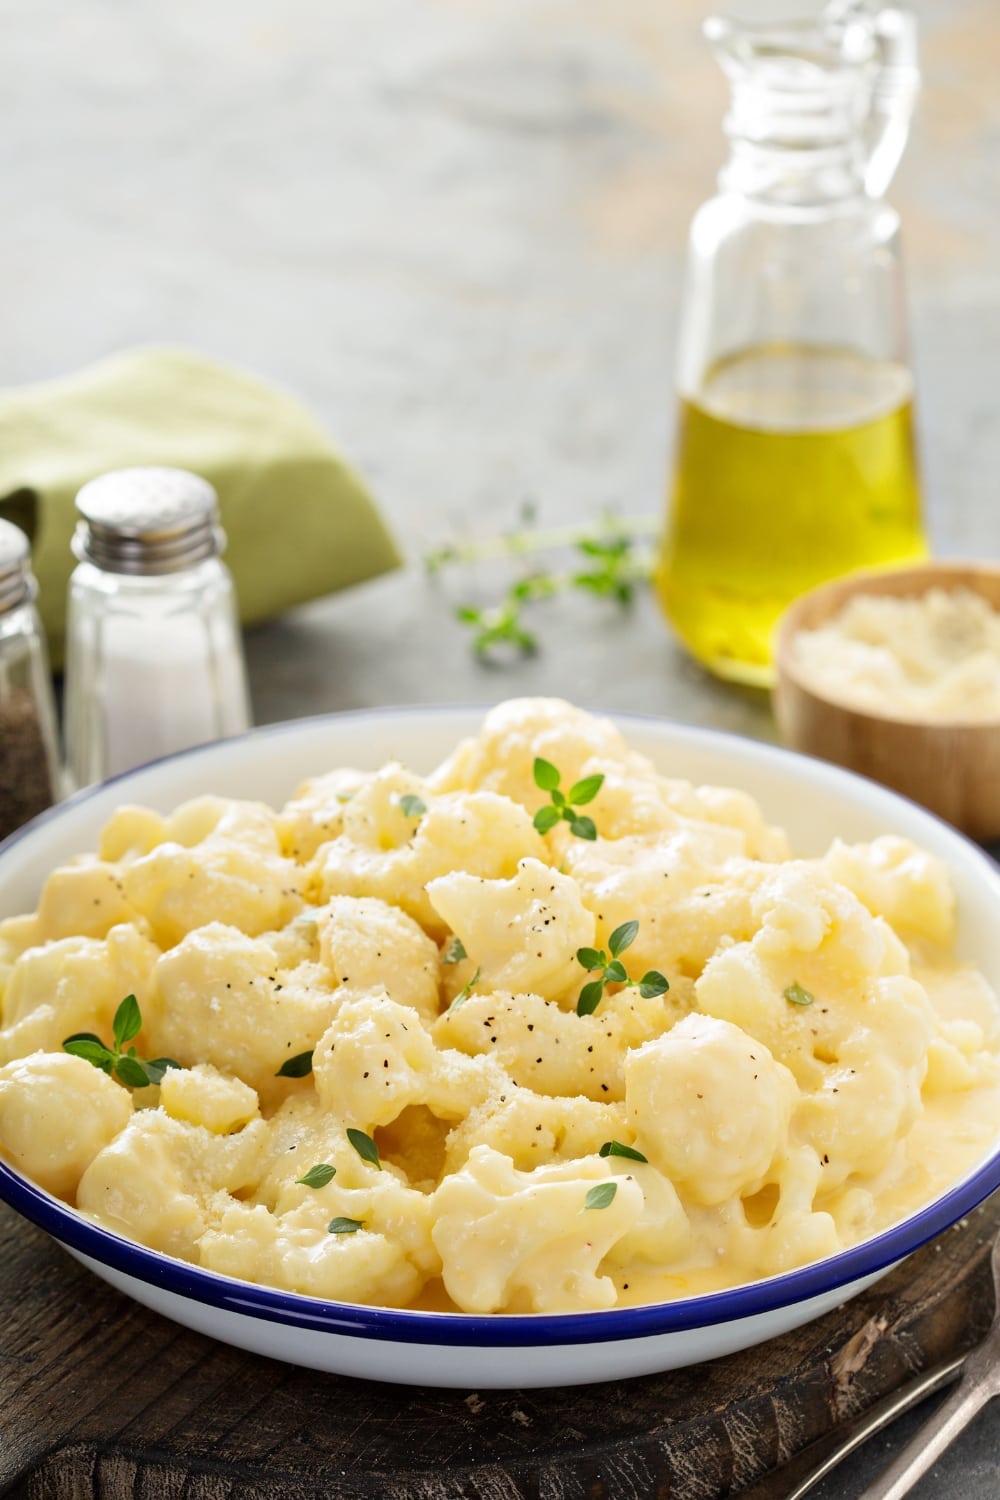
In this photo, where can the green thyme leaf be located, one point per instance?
(615, 1148)
(590, 998)
(299, 1066)
(127, 1022)
(91, 1049)
(796, 995)
(84, 1036)
(561, 806)
(613, 971)
(454, 951)
(546, 774)
(412, 806)
(623, 937)
(127, 1067)
(364, 1146)
(546, 818)
(345, 1226)
(318, 1176)
(616, 563)
(157, 1066)
(601, 1195)
(130, 1071)
(464, 992)
(585, 790)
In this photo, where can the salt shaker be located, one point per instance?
(29, 767)
(154, 659)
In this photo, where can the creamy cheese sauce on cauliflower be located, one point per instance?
(470, 1135)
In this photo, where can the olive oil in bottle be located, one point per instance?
(794, 464)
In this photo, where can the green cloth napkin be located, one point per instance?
(299, 523)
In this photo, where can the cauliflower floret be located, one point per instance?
(227, 999)
(523, 933)
(203, 1096)
(501, 757)
(554, 1051)
(155, 1182)
(366, 944)
(74, 984)
(56, 1113)
(384, 853)
(85, 899)
(690, 893)
(534, 1129)
(800, 984)
(369, 1245)
(732, 809)
(515, 1241)
(315, 815)
(377, 1059)
(710, 1107)
(221, 862)
(896, 880)
(130, 832)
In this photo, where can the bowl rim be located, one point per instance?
(929, 574)
(507, 1330)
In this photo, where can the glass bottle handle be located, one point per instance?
(897, 81)
(894, 96)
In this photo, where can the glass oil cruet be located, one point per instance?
(795, 457)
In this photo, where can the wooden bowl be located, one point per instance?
(951, 766)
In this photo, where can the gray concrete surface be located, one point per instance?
(455, 228)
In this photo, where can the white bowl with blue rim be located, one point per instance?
(813, 801)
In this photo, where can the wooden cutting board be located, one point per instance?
(100, 1397)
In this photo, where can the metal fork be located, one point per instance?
(980, 1381)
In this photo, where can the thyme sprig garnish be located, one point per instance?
(611, 970)
(562, 806)
(464, 992)
(614, 565)
(125, 1066)
(412, 806)
(454, 951)
(343, 1225)
(600, 1196)
(796, 995)
(615, 1148)
(364, 1146)
(318, 1176)
(299, 1066)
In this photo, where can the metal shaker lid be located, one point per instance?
(17, 582)
(147, 521)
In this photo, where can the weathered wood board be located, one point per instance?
(100, 1397)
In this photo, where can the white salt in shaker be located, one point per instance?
(154, 659)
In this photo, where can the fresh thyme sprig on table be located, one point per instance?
(128, 1068)
(614, 565)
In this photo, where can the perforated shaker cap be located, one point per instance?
(147, 521)
(17, 582)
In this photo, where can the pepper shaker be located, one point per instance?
(154, 658)
(29, 765)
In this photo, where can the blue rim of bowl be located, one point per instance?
(498, 1330)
